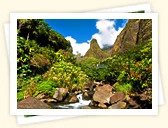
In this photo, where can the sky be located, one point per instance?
(81, 31)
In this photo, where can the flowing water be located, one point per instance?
(77, 105)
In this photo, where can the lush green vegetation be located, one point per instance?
(45, 62)
(132, 68)
(67, 75)
(128, 71)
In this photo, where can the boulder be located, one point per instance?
(102, 94)
(51, 101)
(88, 86)
(43, 100)
(127, 98)
(101, 105)
(118, 96)
(122, 105)
(132, 103)
(32, 103)
(118, 105)
(87, 95)
(93, 103)
(73, 99)
(77, 92)
(41, 96)
(60, 94)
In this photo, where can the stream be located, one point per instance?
(77, 105)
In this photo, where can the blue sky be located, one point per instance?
(80, 31)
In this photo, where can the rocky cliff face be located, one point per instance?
(95, 51)
(136, 31)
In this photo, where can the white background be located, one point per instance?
(7, 6)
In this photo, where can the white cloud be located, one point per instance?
(104, 25)
(107, 33)
(78, 47)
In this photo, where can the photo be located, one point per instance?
(86, 63)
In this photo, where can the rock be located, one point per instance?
(118, 96)
(60, 94)
(51, 101)
(143, 97)
(77, 92)
(146, 95)
(93, 103)
(132, 102)
(114, 106)
(87, 95)
(40, 96)
(127, 98)
(32, 103)
(43, 100)
(103, 93)
(143, 100)
(98, 83)
(73, 99)
(101, 105)
(88, 86)
(122, 105)
(118, 105)
(85, 107)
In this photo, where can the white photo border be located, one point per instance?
(13, 64)
(131, 8)
(146, 8)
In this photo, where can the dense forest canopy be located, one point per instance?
(45, 61)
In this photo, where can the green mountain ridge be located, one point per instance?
(136, 31)
(95, 51)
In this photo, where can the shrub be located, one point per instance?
(27, 87)
(63, 55)
(30, 88)
(125, 88)
(46, 87)
(20, 96)
(132, 70)
(39, 61)
(23, 58)
(67, 75)
(39, 64)
(89, 66)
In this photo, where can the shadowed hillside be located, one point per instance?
(137, 31)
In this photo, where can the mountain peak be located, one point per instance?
(94, 44)
(95, 50)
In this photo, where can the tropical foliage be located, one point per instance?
(45, 62)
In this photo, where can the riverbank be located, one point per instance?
(95, 95)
